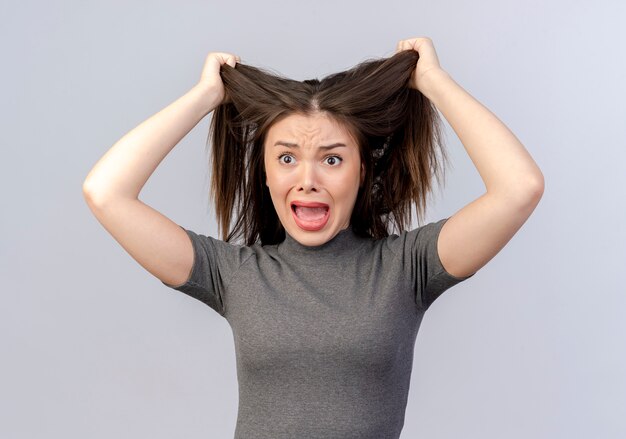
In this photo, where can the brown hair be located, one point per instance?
(397, 128)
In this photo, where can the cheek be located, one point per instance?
(348, 183)
(277, 185)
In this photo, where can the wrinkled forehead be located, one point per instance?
(311, 130)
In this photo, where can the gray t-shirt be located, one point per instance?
(324, 335)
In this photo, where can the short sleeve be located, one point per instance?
(428, 278)
(215, 263)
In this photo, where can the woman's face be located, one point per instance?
(299, 169)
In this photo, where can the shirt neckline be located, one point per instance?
(346, 241)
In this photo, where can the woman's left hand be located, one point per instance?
(427, 61)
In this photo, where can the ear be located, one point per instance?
(362, 172)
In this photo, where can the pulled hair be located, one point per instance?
(397, 129)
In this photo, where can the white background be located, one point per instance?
(94, 346)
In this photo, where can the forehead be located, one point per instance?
(316, 128)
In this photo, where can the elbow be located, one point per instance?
(531, 196)
(97, 198)
(536, 186)
(523, 191)
(89, 195)
(87, 190)
(93, 197)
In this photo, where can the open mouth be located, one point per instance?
(309, 213)
(310, 217)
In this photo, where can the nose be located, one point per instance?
(308, 178)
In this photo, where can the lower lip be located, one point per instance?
(311, 226)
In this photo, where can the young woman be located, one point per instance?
(324, 303)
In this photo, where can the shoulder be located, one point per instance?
(413, 239)
(211, 250)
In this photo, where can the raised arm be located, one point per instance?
(514, 183)
(111, 189)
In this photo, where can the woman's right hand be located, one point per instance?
(210, 79)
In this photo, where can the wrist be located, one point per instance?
(206, 97)
(431, 81)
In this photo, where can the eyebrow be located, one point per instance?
(294, 145)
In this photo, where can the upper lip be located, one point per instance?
(308, 204)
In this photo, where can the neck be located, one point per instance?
(346, 241)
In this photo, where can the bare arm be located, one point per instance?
(514, 183)
(505, 166)
(125, 168)
(478, 231)
(112, 187)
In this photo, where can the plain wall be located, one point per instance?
(533, 346)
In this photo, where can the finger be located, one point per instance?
(414, 43)
(402, 45)
(229, 59)
(235, 59)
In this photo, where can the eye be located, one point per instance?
(335, 158)
(285, 155)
